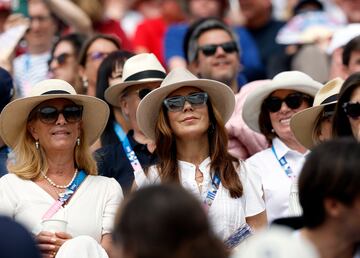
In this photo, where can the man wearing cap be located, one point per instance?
(141, 74)
(6, 93)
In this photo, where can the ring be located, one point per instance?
(54, 253)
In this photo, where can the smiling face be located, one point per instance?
(192, 121)
(280, 120)
(58, 136)
(220, 66)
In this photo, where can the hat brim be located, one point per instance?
(113, 93)
(14, 116)
(253, 102)
(302, 124)
(220, 95)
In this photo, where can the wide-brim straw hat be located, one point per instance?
(303, 123)
(220, 95)
(14, 116)
(139, 69)
(290, 80)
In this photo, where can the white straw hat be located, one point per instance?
(139, 69)
(14, 116)
(302, 123)
(291, 80)
(148, 110)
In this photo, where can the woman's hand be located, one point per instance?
(49, 243)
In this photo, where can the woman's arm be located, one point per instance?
(71, 14)
(257, 222)
(106, 243)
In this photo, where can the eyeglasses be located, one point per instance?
(228, 47)
(143, 92)
(293, 101)
(97, 55)
(175, 104)
(49, 114)
(352, 109)
(41, 19)
(60, 59)
(328, 111)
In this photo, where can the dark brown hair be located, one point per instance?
(221, 161)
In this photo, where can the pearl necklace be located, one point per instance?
(59, 186)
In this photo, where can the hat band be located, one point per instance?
(146, 75)
(55, 92)
(332, 98)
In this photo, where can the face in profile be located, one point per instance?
(354, 118)
(188, 114)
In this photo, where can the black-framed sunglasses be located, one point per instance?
(228, 47)
(328, 111)
(352, 109)
(60, 59)
(176, 103)
(143, 92)
(49, 114)
(293, 101)
(97, 55)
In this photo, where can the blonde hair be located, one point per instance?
(29, 161)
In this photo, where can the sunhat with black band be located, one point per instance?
(14, 116)
(139, 69)
(290, 80)
(220, 95)
(303, 123)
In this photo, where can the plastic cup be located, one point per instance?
(54, 225)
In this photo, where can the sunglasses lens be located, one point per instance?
(209, 50)
(293, 101)
(72, 114)
(197, 99)
(174, 103)
(48, 115)
(352, 109)
(229, 47)
(143, 93)
(61, 59)
(273, 104)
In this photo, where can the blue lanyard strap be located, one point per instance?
(211, 194)
(130, 154)
(284, 164)
(65, 196)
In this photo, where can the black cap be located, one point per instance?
(299, 7)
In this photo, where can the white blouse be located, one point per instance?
(276, 183)
(226, 214)
(90, 211)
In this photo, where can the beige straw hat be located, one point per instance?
(148, 110)
(302, 123)
(139, 69)
(14, 116)
(291, 80)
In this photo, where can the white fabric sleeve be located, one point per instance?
(7, 196)
(253, 190)
(152, 177)
(113, 200)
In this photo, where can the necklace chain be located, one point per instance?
(59, 186)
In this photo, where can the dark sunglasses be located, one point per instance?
(175, 104)
(60, 59)
(228, 47)
(143, 92)
(49, 114)
(293, 101)
(352, 109)
(328, 111)
(97, 55)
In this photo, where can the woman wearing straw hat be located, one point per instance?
(314, 125)
(347, 112)
(185, 117)
(54, 175)
(268, 110)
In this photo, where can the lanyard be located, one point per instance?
(130, 154)
(284, 164)
(66, 195)
(211, 194)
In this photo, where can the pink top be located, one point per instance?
(244, 142)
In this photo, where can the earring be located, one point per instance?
(85, 82)
(37, 145)
(272, 130)
(78, 141)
